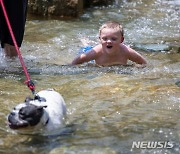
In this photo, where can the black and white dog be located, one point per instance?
(46, 112)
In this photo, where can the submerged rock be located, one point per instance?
(153, 47)
(158, 47)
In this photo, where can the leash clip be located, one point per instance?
(31, 86)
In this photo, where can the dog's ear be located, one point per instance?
(28, 99)
(41, 107)
(41, 99)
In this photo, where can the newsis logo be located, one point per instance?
(152, 145)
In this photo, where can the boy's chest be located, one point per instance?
(111, 60)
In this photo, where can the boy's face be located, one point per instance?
(110, 39)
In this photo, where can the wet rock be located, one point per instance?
(89, 3)
(153, 47)
(175, 48)
(62, 8)
(55, 7)
(178, 83)
(158, 47)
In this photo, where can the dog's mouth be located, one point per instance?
(18, 124)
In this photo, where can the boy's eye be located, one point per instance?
(113, 39)
(104, 38)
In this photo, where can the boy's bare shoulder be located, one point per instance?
(98, 48)
(133, 55)
(92, 54)
(126, 49)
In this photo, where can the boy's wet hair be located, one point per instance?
(113, 25)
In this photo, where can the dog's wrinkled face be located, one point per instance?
(42, 114)
(25, 115)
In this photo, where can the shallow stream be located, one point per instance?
(108, 107)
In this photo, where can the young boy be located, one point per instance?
(111, 50)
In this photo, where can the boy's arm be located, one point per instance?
(85, 57)
(136, 57)
(79, 59)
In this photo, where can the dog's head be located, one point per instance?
(25, 115)
(44, 113)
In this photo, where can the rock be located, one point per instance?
(152, 47)
(62, 8)
(89, 3)
(55, 7)
(178, 83)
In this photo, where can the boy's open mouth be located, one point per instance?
(109, 46)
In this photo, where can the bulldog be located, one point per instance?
(46, 112)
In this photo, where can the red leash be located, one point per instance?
(29, 82)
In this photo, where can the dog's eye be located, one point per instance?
(14, 108)
(21, 112)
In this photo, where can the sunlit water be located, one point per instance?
(108, 107)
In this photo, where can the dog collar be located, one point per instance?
(41, 99)
(46, 122)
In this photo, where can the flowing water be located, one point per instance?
(108, 107)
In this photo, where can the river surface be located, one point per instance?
(108, 107)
